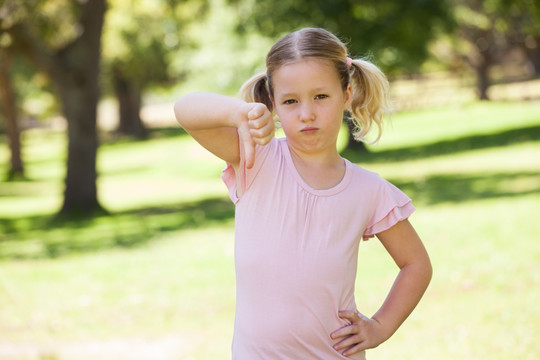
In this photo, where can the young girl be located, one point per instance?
(301, 209)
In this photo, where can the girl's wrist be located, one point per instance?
(239, 115)
(233, 113)
(385, 331)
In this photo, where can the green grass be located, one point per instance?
(157, 276)
(447, 123)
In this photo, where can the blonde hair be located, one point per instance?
(369, 84)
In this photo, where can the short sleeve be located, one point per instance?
(228, 175)
(392, 206)
(243, 180)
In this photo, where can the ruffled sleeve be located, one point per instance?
(392, 207)
(228, 175)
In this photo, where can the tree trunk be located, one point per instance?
(532, 50)
(76, 73)
(129, 97)
(482, 80)
(9, 106)
(74, 70)
(79, 105)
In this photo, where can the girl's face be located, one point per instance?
(310, 102)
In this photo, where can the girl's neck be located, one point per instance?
(320, 170)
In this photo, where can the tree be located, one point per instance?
(136, 59)
(8, 100)
(63, 39)
(394, 34)
(525, 29)
(487, 30)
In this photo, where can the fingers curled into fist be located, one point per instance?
(261, 124)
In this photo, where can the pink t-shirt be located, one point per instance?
(296, 252)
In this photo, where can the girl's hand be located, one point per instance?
(255, 126)
(363, 333)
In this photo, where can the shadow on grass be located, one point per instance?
(439, 189)
(446, 147)
(165, 132)
(41, 236)
(112, 138)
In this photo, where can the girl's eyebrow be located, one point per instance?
(286, 95)
(321, 89)
(315, 90)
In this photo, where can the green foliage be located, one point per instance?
(486, 32)
(141, 38)
(396, 33)
(55, 21)
(221, 60)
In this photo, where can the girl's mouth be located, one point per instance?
(309, 130)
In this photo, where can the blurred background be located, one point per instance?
(116, 233)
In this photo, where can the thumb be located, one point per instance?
(248, 145)
(249, 152)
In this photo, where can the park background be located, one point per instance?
(116, 233)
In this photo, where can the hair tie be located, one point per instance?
(349, 62)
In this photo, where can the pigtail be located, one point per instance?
(256, 90)
(370, 98)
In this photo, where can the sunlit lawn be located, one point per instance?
(155, 280)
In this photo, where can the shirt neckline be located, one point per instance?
(319, 192)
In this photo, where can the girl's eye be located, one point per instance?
(321, 96)
(289, 102)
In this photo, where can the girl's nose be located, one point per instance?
(306, 113)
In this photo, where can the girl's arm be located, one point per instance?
(219, 123)
(407, 250)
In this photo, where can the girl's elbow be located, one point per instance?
(430, 272)
(427, 270)
(424, 264)
(423, 270)
(180, 112)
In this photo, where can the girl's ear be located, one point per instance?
(348, 97)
